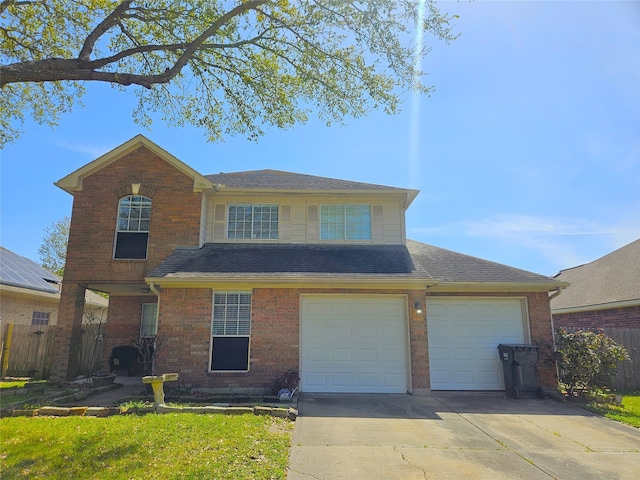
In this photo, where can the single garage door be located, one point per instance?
(464, 334)
(353, 344)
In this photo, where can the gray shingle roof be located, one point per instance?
(609, 279)
(243, 258)
(18, 271)
(279, 180)
(448, 266)
(413, 261)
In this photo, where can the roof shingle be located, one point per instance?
(279, 180)
(609, 279)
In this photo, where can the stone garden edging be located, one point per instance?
(279, 412)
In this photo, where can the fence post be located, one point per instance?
(7, 349)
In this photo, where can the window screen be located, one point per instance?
(231, 330)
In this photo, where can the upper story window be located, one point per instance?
(252, 221)
(345, 222)
(132, 233)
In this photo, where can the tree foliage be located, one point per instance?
(226, 66)
(53, 251)
(587, 360)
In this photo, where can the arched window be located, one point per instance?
(132, 231)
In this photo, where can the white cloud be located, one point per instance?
(92, 151)
(562, 242)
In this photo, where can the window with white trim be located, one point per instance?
(230, 331)
(132, 231)
(252, 221)
(345, 222)
(40, 318)
(149, 321)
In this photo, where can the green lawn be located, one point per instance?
(145, 447)
(627, 412)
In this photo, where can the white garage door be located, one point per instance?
(353, 344)
(464, 334)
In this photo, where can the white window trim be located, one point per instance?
(155, 320)
(127, 230)
(345, 225)
(212, 336)
(253, 224)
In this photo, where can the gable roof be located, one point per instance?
(73, 181)
(610, 281)
(18, 271)
(416, 263)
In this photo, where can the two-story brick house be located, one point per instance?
(246, 275)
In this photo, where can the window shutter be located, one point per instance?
(313, 231)
(377, 227)
(219, 227)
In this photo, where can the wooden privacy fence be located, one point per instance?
(27, 350)
(628, 373)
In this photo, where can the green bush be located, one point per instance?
(587, 361)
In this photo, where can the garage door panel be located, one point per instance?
(365, 351)
(463, 339)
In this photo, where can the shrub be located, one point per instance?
(587, 361)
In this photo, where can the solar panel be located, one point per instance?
(19, 271)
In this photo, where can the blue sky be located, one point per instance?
(527, 153)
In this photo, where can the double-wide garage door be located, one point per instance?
(463, 337)
(353, 344)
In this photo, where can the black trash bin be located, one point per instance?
(519, 363)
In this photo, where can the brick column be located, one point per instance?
(420, 378)
(66, 346)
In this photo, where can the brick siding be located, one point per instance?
(623, 317)
(185, 323)
(175, 218)
(175, 221)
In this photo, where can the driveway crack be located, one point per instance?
(406, 460)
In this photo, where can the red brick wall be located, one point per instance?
(185, 327)
(175, 221)
(185, 324)
(175, 218)
(123, 324)
(623, 317)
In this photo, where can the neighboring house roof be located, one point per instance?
(21, 274)
(415, 262)
(17, 271)
(608, 282)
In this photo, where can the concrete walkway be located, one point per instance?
(127, 386)
(458, 436)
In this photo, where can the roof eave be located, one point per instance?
(497, 286)
(195, 280)
(597, 306)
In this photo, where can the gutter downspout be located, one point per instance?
(154, 289)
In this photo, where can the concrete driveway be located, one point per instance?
(459, 436)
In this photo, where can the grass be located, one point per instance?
(17, 393)
(145, 447)
(627, 412)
